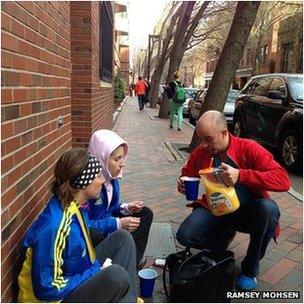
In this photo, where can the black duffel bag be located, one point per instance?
(204, 277)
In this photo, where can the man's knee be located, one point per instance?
(267, 209)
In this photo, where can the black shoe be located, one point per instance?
(178, 129)
(171, 127)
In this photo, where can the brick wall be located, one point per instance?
(36, 80)
(92, 105)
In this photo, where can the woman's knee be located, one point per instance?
(117, 277)
(124, 237)
(146, 214)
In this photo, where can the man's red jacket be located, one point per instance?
(258, 169)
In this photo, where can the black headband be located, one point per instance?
(85, 178)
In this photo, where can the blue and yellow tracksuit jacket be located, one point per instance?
(59, 254)
(102, 215)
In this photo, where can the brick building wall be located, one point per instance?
(35, 92)
(92, 103)
(50, 69)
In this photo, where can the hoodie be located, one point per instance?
(105, 210)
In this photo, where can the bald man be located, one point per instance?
(251, 169)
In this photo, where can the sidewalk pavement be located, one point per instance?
(150, 175)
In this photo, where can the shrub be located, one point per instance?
(119, 87)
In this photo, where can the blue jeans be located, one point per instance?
(258, 217)
(141, 101)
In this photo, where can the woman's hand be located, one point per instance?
(135, 206)
(130, 223)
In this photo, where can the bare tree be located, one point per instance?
(164, 47)
(229, 60)
(184, 32)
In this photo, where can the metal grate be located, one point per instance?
(161, 241)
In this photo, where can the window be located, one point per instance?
(106, 41)
(278, 85)
(261, 86)
(286, 57)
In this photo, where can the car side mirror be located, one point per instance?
(276, 95)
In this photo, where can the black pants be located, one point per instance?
(115, 283)
(140, 235)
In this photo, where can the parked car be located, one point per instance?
(195, 106)
(190, 94)
(270, 110)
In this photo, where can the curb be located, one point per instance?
(118, 111)
(295, 194)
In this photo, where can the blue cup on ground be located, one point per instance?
(146, 282)
(191, 187)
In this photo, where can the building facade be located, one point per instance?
(280, 51)
(57, 70)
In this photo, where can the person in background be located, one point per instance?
(252, 171)
(111, 150)
(140, 91)
(174, 107)
(60, 263)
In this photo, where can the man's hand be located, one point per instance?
(135, 206)
(180, 186)
(229, 175)
(130, 223)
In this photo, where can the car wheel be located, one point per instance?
(191, 119)
(238, 130)
(291, 150)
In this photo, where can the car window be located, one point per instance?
(261, 86)
(278, 85)
(249, 87)
(296, 88)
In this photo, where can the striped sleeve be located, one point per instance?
(48, 278)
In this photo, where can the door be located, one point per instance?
(256, 109)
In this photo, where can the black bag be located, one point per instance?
(203, 277)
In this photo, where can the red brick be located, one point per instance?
(25, 109)
(19, 95)
(9, 42)
(7, 163)
(278, 271)
(5, 22)
(17, 29)
(6, 96)
(6, 130)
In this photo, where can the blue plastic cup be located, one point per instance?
(146, 282)
(191, 187)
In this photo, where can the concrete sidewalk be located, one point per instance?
(151, 174)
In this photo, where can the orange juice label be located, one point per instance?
(221, 199)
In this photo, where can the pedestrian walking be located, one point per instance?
(175, 104)
(108, 212)
(252, 171)
(60, 262)
(140, 92)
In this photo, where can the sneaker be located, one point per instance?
(140, 300)
(246, 283)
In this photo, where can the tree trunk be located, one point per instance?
(177, 51)
(162, 57)
(229, 60)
